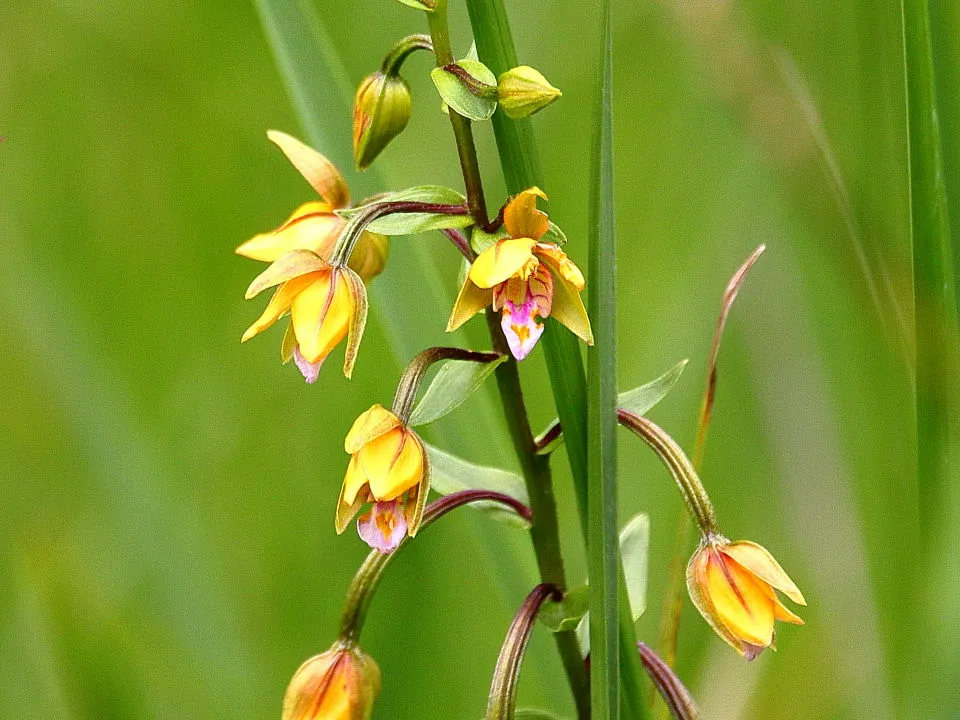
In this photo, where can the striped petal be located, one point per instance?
(322, 174)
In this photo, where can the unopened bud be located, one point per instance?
(340, 684)
(369, 257)
(523, 91)
(381, 111)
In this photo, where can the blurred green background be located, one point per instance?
(167, 546)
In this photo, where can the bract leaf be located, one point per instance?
(640, 400)
(463, 99)
(450, 474)
(566, 614)
(412, 223)
(454, 382)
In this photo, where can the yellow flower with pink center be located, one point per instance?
(525, 279)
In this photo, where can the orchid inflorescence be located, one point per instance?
(320, 261)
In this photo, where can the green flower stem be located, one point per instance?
(521, 169)
(502, 700)
(368, 577)
(694, 495)
(403, 49)
(355, 226)
(462, 130)
(544, 532)
(413, 376)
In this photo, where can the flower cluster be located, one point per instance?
(320, 261)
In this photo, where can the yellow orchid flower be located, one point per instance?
(389, 468)
(325, 304)
(340, 684)
(733, 585)
(315, 225)
(524, 278)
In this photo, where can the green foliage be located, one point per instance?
(414, 222)
(455, 381)
(466, 94)
(450, 474)
(168, 493)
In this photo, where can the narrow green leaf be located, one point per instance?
(644, 398)
(602, 544)
(569, 613)
(521, 169)
(450, 474)
(455, 381)
(455, 93)
(935, 327)
(639, 400)
(412, 223)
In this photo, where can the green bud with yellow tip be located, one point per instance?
(381, 110)
(523, 91)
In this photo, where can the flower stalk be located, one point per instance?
(354, 228)
(503, 690)
(544, 531)
(694, 495)
(368, 577)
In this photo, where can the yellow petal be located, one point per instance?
(347, 511)
(286, 267)
(420, 493)
(521, 217)
(353, 481)
(758, 560)
(470, 301)
(780, 612)
(313, 226)
(371, 424)
(742, 602)
(393, 464)
(697, 587)
(568, 309)
(358, 317)
(369, 257)
(500, 261)
(278, 305)
(561, 265)
(318, 171)
(321, 315)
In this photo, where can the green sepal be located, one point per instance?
(566, 614)
(455, 381)
(412, 223)
(450, 474)
(465, 100)
(639, 400)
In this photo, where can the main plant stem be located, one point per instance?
(544, 532)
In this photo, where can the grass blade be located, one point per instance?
(604, 560)
(935, 327)
(521, 169)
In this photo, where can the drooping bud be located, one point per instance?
(523, 91)
(381, 111)
(733, 585)
(369, 257)
(340, 684)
